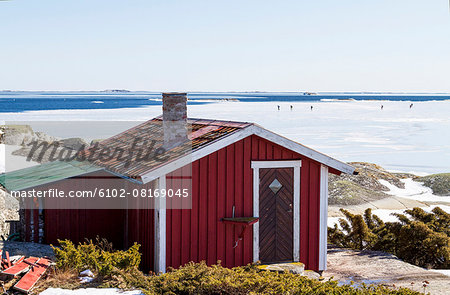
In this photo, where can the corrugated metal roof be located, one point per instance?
(45, 173)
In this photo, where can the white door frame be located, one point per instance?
(296, 164)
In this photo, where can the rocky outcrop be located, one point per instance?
(9, 208)
(374, 267)
(16, 134)
(27, 249)
(73, 143)
(48, 151)
(2, 134)
(439, 183)
(364, 187)
(22, 135)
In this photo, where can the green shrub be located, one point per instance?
(421, 239)
(95, 257)
(420, 245)
(355, 233)
(198, 278)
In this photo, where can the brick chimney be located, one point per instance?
(174, 119)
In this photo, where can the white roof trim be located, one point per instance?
(241, 134)
(303, 150)
(198, 154)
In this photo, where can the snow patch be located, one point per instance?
(442, 271)
(87, 273)
(386, 214)
(331, 221)
(86, 276)
(414, 190)
(85, 280)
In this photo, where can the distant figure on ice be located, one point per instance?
(291, 107)
(311, 108)
(411, 105)
(278, 107)
(381, 106)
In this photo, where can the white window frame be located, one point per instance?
(296, 164)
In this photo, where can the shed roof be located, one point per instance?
(204, 137)
(45, 173)
(149, 136)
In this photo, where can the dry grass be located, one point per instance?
(7, 285)
(69, 279)
(56, 278)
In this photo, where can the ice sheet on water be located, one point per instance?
(397, 137)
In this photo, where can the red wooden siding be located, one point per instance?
(120, 226)
(140, 226)
(222, 180)
(81, 224)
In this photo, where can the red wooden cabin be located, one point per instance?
(255, 196)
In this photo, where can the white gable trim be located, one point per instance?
(241, 134)
(303, 150)
(323, 217)
(198, 154)
(160, 229)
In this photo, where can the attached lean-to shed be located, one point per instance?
(254, 196)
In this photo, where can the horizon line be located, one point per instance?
(237, 91)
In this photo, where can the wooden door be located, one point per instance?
(276, 191)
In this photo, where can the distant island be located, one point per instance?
(116, 90)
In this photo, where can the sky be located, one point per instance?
(194, 45)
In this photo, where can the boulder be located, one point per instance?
(16, 134)
(73, 143)
(22, 135)
(292, 267)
